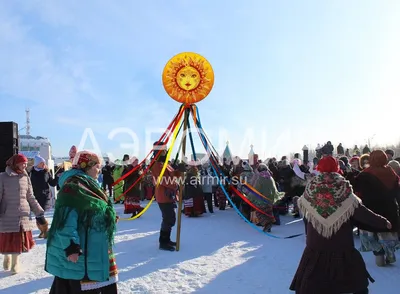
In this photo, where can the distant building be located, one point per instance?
(30, 143)
(227, 155)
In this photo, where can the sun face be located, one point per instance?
(188, 78)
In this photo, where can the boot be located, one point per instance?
(277, 217)
(7, 262)
(15, 263)
(164, 242)
(267, 228)
(380, 260)
(172, 243)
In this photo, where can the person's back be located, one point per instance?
(331, 209)
(207, 183)
(107, 174)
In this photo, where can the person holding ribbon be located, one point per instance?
(132, 193)
(79, 245)
(165, 194)
(265, 185)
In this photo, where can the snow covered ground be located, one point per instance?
(220, 253)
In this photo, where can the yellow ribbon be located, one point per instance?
(175, 134)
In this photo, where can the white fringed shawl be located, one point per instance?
(328, 202)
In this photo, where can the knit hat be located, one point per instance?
(38, 160)
(14, 160)
(85, 160)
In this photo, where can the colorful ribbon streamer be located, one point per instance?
(166, 134)
(153, 160)
(175, 134)
(197, 122)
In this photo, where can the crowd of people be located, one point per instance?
(334, 193)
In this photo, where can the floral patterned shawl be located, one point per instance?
(328, 202)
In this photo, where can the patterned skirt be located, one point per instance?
(113, 277)
(263, 219)
(194, 206)
(386, 242)
(132, 204)
(16, 243)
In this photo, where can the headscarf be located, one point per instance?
(157, 146)
(14, 160)
(247, 174)
(328, 200)
(38, 160)
(381, 170)
(263, 171)
(72, 152)
(84, 160)
(82, 193)
(355, 158)
(132, 160)
(328, 164)
(345, 160)
(246, 166)
(395, 165)
(342, 165)
(296, 161)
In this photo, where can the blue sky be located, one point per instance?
(292, 72)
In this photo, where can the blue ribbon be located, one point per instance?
(191, 141)
(204, 141)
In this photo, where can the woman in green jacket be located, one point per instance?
(79, 246)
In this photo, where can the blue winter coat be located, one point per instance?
(93, 264)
